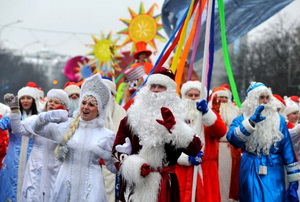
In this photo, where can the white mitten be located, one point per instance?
(183, 160)
(125, 148)
(54, 116)
(297, 129)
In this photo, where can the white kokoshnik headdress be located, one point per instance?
(96, 87)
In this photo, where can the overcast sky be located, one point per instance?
(65, 27)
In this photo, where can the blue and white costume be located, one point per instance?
(267, 147)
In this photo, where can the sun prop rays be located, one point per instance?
(104, 51)
(142, 27)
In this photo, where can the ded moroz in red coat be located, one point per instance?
(162, 183)
(208, 188)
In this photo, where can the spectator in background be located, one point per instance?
(73, 91)
(229, 157)
(280, 104)
(212, 129)
(142, 55)
(19, 148)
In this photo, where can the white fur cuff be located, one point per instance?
(291, 167)
(182, 134)
(209, 118)
(293, 177)
(15, 115)
(183, 160)
(248, 126)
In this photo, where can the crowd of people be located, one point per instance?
(79, 144)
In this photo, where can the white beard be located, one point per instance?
(192, 116)
(228, 112)
(191, 112)
(146, 109)
(74, 106)
(267, 132)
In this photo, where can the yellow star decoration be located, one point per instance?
(142, 27)
(104, 51)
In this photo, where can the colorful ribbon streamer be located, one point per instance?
(196, 39)
(184, 55)
(182, 39)
(226, 55)
(211, 47)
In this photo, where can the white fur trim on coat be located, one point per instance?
(146, 188)
(182, 134)
(293, 177)
(209, 118)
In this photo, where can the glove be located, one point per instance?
(196, 160)
(54, 116)
(125, 148)
(168, 119)
(145, 170)
(256, 118)
(202, 106)
(291, 193)
(12, 101)
(216, 104)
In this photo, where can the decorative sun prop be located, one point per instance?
(85, 69)
(104, 51)
(142, 27)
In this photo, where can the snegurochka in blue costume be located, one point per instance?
(263, 136)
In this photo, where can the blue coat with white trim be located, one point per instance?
(269, 186)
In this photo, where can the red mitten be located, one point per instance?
(216, 104)
(145, 169)
(168, 118)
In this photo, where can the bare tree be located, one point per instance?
(274, 59)
(15, 73)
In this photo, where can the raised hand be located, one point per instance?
(202, 106)
(168, 118)
(12, 101)
(256, 117)
(216, 103)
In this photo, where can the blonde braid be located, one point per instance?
(61, 149)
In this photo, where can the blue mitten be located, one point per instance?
(202, 106)
(291, 193)
(196, 160)
(255, 118)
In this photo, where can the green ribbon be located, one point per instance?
(226, 55)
